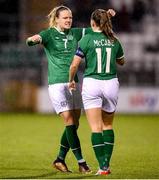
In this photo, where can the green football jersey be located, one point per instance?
(60, 48)
(100, 55)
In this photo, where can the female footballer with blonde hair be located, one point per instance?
(60, 43)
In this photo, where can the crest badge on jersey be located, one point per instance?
(70, 37)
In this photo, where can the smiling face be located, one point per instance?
(64, 20)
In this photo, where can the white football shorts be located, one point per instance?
(63, 99)
(100, 94)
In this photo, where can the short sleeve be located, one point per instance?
(77, 33)
(83, 43)
(88, 30)
(45, 36)
(81, 32)
(120, 52)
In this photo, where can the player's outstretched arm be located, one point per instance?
(33, 40)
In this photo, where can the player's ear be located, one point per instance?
(56, 20)
(92, 23)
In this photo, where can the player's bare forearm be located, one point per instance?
(73, 70)
(33, 40)
(74, 66)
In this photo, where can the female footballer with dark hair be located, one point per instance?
(102, 51)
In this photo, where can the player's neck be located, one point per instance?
(96, 29)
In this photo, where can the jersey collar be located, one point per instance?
(97, 31)
(61, 32)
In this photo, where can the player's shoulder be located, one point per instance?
(87, 37)
(92, 35)
(83, 30)
(117, 40)
(75, 29)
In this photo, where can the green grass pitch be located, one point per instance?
(30, 142)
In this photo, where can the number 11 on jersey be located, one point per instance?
(99, 60)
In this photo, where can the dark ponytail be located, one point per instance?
(103, 20)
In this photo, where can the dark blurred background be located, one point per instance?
(23, 70)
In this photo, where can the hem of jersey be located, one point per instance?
(101, 78)
(52, 83)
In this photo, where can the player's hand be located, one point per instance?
(35, 38)
(111, 12)
(72, 85)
